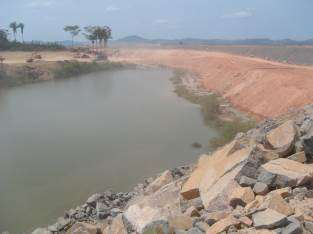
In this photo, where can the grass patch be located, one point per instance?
(210, 109)
(21, 75)
(228, 131)
(30, 46)
(66, 69)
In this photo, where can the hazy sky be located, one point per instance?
(44, 19)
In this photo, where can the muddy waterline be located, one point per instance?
(64, 140)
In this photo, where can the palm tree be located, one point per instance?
(74, 30)
(90, 35)
(22, 26)
(14, 27)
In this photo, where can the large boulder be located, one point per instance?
(223, 225)
(164, 179)
(307, 142)
(83, 228)
(156, 208)
(268, 219)
(282, 138)
(215, 196)
(117, 226)
(288, 172)
(298, 157)
(241, 196)
(181, 222)
(277, 203)
(218, 164)
(41, 231)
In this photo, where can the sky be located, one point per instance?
(168, 19)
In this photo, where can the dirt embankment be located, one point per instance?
(259, 87)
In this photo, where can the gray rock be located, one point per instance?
(278, 230)
(54, 228)
(232, 229)
(92, 200)
(102, 210)
(89, 210)
(247, 181)
(252, 163)
(266, 178)
(292, 228)
(299, 190)
(202, 226)
(306, 127)
(307, 141)
(160, 226)
(308, 226)
(60, 225)
(41, 231)
(194, 230)
(178, 231)
(260, 188)
(115, 211)
(268, 219)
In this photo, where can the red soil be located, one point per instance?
(259, 87)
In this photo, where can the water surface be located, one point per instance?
(61, 141)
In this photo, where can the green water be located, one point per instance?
(63, 140)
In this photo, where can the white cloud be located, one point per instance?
(112, 8)
(40, 3)
(161, 21)
(239, 14)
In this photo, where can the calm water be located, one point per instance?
(62, 141)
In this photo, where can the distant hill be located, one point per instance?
(255, 41)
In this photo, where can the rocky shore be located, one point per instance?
(261, 182)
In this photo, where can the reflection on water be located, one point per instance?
(61, 141)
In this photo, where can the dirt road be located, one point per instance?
(259, 87)
(20, 57)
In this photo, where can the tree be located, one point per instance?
(103, 34)
(3, 36)
(90, 34)
(22, 26)
(14, 27)
(74, 30)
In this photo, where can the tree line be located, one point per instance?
(97, 35)
(18, 28)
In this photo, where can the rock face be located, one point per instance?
(154, 208)
(230, 155)
(241, 196)
(289, 172)
(282, 138)
(268, 219)
(159, 182)
(277, 203)
(223, 225)
(117, 226)
(260, 188)
(80, 228)
(298, 157)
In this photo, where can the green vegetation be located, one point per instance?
(19, 75)
(98, 35)
(74, 30)
(228, 131)
(210, 108)
(30, 46)
(68, 69)
(20, 45)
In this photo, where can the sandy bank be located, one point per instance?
(262, 88)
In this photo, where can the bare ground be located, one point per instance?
(259, 87)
